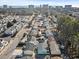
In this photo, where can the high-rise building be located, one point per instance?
(31, 6)
(45, 9)
(68, 6)
(59, 7)
(5, 6)
(46, 6)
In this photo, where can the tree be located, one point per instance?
(69, 31)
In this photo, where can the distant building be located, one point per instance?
(45, 9)
(45, 6)
(59, 7)
(68, 6)
(0, 6)
(10, 7)
(50, 7)
(40, 6)
(5, 6)
(31, 6)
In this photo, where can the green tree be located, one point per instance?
(69, 30)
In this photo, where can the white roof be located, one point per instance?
(17, 52)
(28, 52)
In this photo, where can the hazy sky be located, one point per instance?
(38, 2)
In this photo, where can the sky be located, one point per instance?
(74, 3)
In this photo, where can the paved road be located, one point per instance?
(7, 51)
(12, 44)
